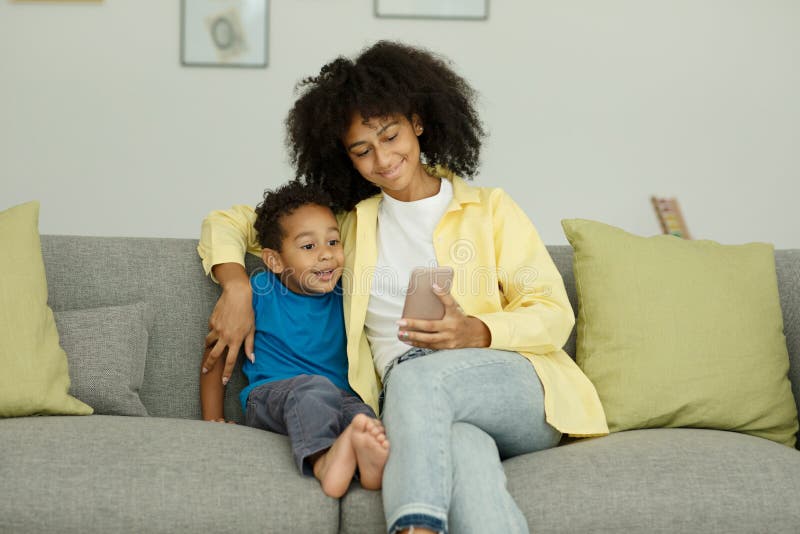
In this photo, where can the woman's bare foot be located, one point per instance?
(371, 450)
(335, 467)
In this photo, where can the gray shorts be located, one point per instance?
(309, 409)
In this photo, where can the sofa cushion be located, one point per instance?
(34, 377)
(147, 474)
(660, 480)
(362, 511)
(106, 350)
(677, 333)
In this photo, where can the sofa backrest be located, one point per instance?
(89, 272)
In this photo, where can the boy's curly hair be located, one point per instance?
(386, 78)
(282, 201)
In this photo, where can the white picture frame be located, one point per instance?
(224, 33)
(433, 9)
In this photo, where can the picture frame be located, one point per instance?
(224, 33)
(432, 9)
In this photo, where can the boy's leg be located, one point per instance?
(352, 406)
(307, 408)
(369, 440)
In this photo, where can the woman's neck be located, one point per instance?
(423, 186)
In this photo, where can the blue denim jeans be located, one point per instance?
(451, 417)
(416, 352)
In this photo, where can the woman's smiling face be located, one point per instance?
(385, 151)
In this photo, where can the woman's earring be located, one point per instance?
(419, 130)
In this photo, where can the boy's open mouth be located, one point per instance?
(324, 275)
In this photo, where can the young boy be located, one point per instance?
(298, 380)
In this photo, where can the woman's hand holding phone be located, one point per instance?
(453, 331)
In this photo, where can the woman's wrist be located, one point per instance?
(232, 276)
(482, 336)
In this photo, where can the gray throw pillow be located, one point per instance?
(106, 351)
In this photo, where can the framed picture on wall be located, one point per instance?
(433, 9)
(224, 33)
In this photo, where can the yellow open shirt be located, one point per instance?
(503, 275)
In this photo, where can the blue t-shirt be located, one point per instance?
(295, 335)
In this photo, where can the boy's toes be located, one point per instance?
(361, 422)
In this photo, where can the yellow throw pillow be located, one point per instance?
(677, 333)
(34, 378)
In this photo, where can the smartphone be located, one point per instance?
(421, 301)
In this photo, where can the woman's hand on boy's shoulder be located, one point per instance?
(232, 323)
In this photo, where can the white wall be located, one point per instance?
(591, 107)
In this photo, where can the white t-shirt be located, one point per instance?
(405, 241)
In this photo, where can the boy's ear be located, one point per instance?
(272, 260)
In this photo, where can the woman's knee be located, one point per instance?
(473, 450)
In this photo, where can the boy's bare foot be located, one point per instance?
(371, 449)
(335, 468)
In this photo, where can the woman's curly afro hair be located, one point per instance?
(385, 79)
(280, 202)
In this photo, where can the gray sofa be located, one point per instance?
(171, 472)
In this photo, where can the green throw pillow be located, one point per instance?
(34, 378)
(677, 333)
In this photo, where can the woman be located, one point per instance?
(386, 136)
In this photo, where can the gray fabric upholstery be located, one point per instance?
(664, 480)
(143, 474)
(787, 264)
(562, 257)
(362, 512)
(103, 473)
(106, 351)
